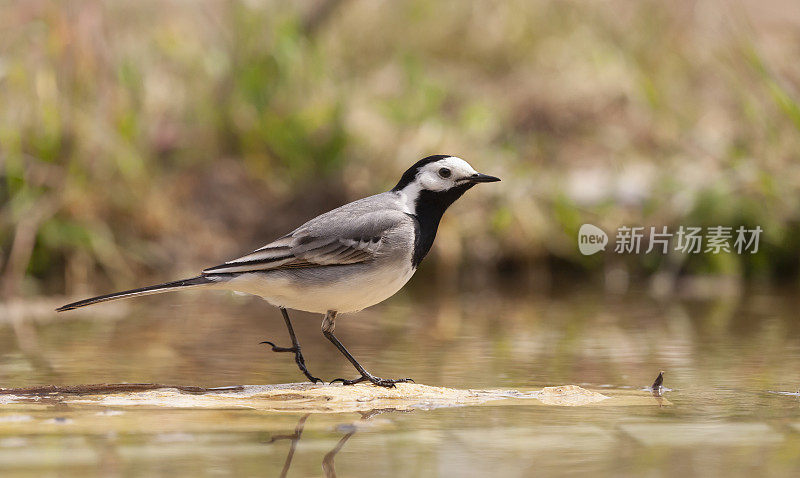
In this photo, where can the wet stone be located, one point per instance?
(569, 396)
(312, 398)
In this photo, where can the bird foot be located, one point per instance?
(382, 382)
(298, 358)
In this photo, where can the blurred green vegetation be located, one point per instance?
(144, 140)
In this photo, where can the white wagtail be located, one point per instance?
(345, 260)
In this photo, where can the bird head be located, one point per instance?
(440, 173)
(439, 179)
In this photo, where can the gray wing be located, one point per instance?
(347, 235)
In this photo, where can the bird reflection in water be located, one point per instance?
(327, 461)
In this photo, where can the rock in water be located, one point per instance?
(569, 396)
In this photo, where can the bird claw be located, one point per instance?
(298, 358)
(381, 382)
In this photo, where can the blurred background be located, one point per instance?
(142, 141)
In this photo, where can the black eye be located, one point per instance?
(445, 173)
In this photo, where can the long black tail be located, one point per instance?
(153, 289)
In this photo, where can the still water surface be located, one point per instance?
(733, 366)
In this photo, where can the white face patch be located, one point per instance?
(444, 174)
(437, 176)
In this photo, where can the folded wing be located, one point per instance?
(330, 239)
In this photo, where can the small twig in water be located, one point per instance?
(659, 381)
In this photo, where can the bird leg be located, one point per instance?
(328, 326)
(295, 348)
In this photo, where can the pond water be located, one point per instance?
(731, 365)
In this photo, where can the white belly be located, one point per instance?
(340, 288)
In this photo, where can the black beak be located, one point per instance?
(482, 178)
